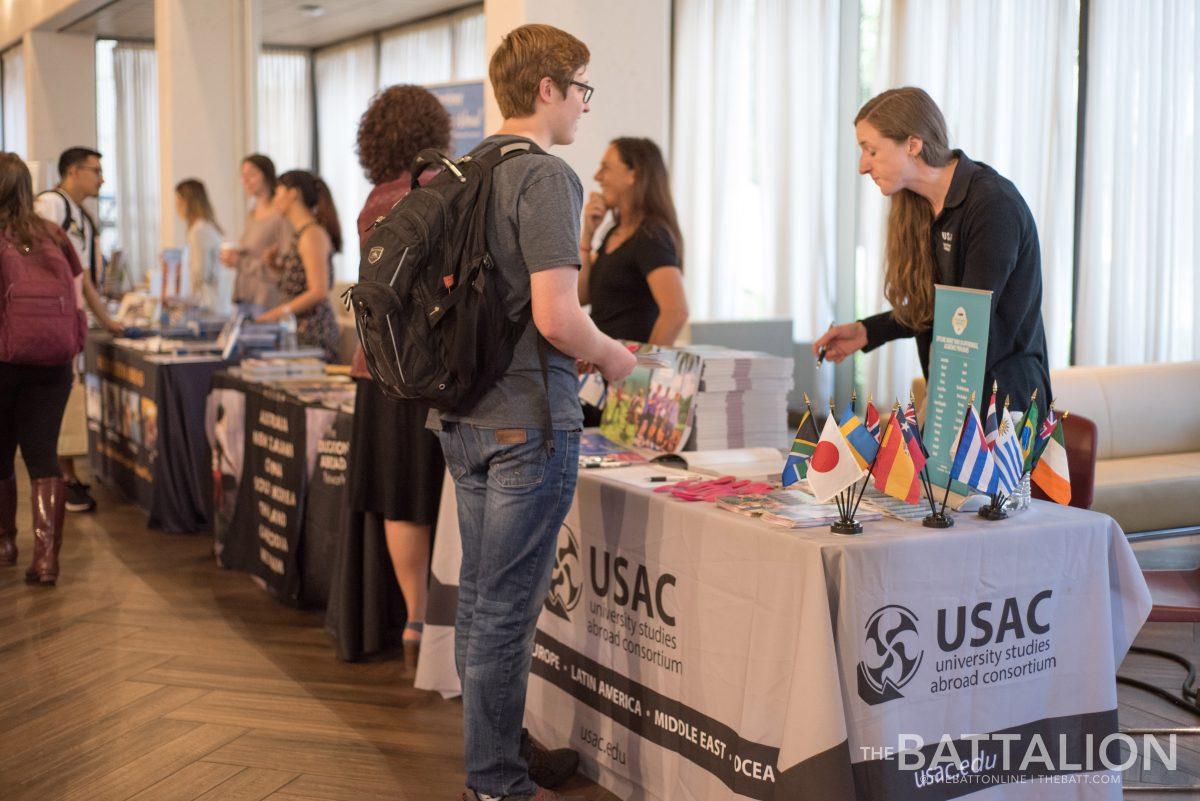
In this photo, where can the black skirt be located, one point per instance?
(396, 464)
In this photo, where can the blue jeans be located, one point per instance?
(513, 496)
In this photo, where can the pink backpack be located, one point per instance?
(40, 322)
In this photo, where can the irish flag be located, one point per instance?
(1051, 472)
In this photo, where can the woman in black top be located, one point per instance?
(634, 281)
(953, 221)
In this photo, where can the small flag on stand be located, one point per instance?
(1007, 455)
(991, 424)
(1043, 436)
(973, 464)
(1052, 473)
(913, 430)
(872, 420)
(895, 473)
(862, 444)
(803, 446)
(833, 466)
(1029, 431)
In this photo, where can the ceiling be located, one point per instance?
(283, 23)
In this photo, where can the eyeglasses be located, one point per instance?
(99, 171)
(587, 90)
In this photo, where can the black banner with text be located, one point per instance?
(269, 512)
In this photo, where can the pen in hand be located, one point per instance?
(821, 350)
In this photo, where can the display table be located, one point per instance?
(146, 430)
(278, 472)
(688, 652)
(279, 479)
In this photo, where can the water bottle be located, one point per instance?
(287, 332)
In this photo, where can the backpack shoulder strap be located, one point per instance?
(493, 156)
(67, 218)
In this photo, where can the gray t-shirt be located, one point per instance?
(533, 225)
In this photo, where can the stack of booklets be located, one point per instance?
(278, 368)
(597, 450)
(332, 391)
(742, 399)
(892, 507)
(789, 509)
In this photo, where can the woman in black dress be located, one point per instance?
(307, 266)
(396, 465)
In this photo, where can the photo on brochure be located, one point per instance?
(653, 407)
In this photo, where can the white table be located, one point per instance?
(725, 658)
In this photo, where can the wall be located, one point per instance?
(19, 16)
(630, 68)
(203, 105)
(60, 84)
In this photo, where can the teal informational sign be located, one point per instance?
(957, 356)
(464, 102)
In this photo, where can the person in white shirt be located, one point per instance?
(209, 284)
(80, 178)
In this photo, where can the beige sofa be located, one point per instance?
(1148, 454)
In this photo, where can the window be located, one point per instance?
(127, 136)
(285, 109)
(346, 79)
(1139, 292)
(1005, 78)
(759, 147)
(440, 50)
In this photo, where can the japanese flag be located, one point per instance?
(832, 467)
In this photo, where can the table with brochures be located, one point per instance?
(146, 427)
(691, 652)
(279, 446)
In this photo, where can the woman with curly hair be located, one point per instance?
(396, 465)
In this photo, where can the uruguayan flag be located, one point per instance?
(1010, 463)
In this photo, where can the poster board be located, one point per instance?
(957, 358)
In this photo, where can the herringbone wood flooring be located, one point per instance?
(150, 673)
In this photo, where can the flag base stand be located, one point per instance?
(938, 520)
(847, 527)
(990, 512)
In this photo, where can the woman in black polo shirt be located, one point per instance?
(634, 280)
(953, 221)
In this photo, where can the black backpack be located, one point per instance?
(429, 304)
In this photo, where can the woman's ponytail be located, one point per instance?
(314, 193)
(326, 214)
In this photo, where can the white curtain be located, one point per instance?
(106, 143)
(754, 157)
(417, 54)
(438, 51)
(470, 53)
(285, 109)
(1004, 75)
(14, 101)
(1139, 291)
(346, 79)
(135, 76)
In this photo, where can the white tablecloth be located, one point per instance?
(692, 653)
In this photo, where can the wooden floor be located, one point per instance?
(150, 673)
